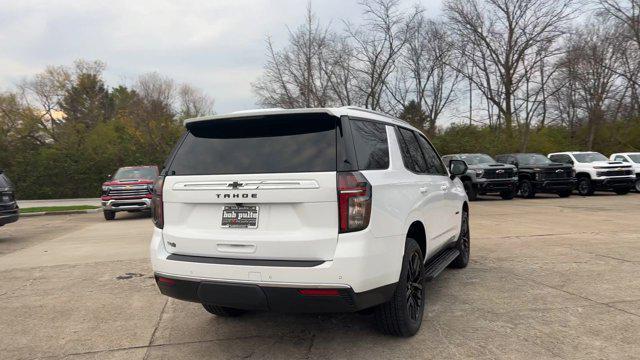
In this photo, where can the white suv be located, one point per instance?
(632, 158)
(308, 210)
(595, 172)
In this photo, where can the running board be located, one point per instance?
(435, 266)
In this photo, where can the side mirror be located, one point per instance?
(457, 168)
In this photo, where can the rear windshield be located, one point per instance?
(273, 144)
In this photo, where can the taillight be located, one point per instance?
(354, 201)
(157, 207)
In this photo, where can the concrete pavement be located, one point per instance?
(59, 202)
(549, 279)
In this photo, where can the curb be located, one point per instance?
(65, 212)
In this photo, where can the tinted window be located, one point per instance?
(412, 155)
(434, 165)
(565, 159)
(139, 173)
(4, 181)
(370, 140)
(532, 159)
(621, 158)
(589, 157)
(272, 144)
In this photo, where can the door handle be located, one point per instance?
(424, 189)
(444, 187)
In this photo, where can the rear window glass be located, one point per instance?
(412, 155)
(272, 144)
(370, 140)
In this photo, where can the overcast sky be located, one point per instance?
(216, 45)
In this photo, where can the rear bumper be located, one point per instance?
(127, 204)
(554, 185)
(614, 183)
(360, 263)
(271, 298)
(9, 216)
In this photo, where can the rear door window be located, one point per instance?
(411, 153)
(434, 164)
(269, 144)
(370, 140)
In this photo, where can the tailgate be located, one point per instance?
(297, 216)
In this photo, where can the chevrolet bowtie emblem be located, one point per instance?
(235, 185)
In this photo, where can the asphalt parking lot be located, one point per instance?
(549, 278)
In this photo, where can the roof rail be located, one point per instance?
(358, 108)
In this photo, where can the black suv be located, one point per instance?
(486, 176)
(538, 174)
(8, 205)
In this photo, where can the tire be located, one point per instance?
(223, 311)
(585, 188)
(526, 189)
(109, 215)
(472, 192)
(402, 314)
(637, 186)
(564, 194)
(463, 243)
(507, 195)
(622, 191)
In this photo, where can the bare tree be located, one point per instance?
(588, 75)
(153, 87)
(193, 102)
(377, 46)
(498, 38)
(299, 75)
(429, 75)
(625, 16)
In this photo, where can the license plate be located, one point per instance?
(234, 216)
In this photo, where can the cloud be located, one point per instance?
(215, 45)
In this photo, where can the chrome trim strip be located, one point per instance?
(261, 283)
(247, 185)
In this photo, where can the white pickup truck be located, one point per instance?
(595, 171)
(632, 158)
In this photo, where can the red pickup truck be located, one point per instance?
(130, 189)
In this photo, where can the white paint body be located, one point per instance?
(298, 220)
(624, 157)
(593, 168)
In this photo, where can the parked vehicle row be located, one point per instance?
(8, 205)
(560, 173)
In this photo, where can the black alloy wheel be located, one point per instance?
(402, 314)
(463, 244)
(584, 186)
(415, 283)
(526, 189)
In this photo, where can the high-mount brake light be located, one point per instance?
(157, 206)
(354, 201)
